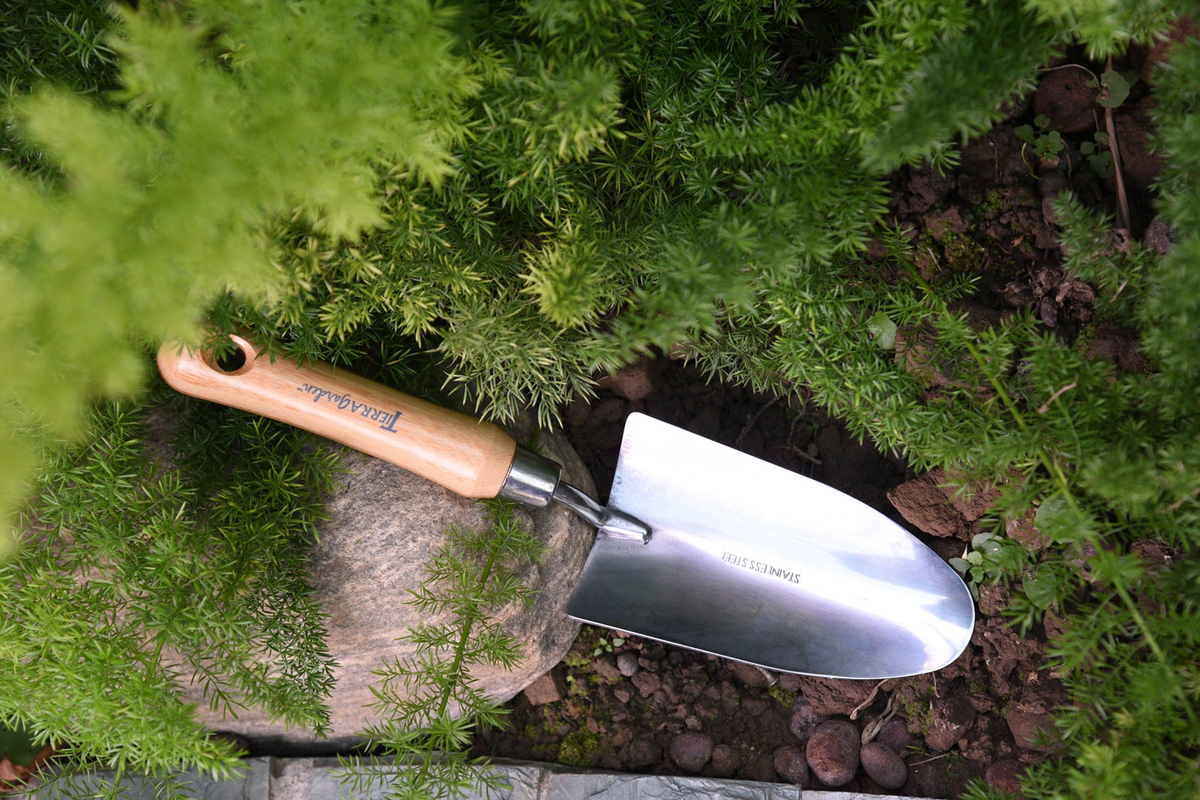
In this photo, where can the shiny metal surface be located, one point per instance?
(535, 480)
(755, 563)
(609, 522)
(531, 478)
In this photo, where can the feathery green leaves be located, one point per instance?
(430, 703)
(131, 580)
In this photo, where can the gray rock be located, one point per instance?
(627, 664)
(326, 779)
(883, 765)
(384, 525)
(832, 752)
(691, 751)
(790, 764)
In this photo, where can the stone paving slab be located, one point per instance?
(322, 779)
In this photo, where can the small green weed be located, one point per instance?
(606, 645)
(1099, 156)
(1046, 144)
(989, 558)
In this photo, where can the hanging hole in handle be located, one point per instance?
(236, 361)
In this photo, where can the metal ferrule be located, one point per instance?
(531, 479)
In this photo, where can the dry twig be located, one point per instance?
(1044, 407)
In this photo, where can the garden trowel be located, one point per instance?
(701, 546)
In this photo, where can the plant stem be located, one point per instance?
(1122, 200)
(460, 648)
(1051, 464)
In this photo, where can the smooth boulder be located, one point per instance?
(384, 525)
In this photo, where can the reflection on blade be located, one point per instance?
(752, 562)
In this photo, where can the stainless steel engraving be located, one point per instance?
(752, 562)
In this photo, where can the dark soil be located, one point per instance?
(640, 706)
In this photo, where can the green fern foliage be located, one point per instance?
(232, 116)
(134, 578)
(535, 192)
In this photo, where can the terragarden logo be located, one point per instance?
(348, 404)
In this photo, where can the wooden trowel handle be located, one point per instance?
(459, 452)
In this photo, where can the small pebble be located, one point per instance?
(627, 664)
(790, 764)
(791, 683)
(832, 752)
(804, 720)
(647, 683)
(725, 760)
(749, 675)
(895, 735)
(691, 751)
(950, 719)
(634, 381)
(550, 688)
(883, 765)
(606, 670)
(623, 692)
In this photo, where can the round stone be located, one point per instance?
(832, 752)
(691, 751)
(883, 765)
(790, 764)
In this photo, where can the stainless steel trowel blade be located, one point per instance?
(752, 562)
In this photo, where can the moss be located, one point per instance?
(914, 704)
(961, 253)
(994, 201)
(582, 749)
(977, 683)
(782, 696)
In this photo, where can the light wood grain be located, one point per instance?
(457, 451)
